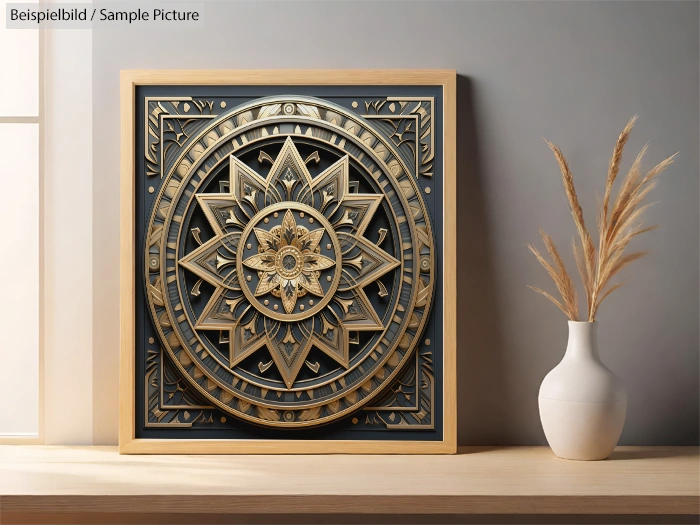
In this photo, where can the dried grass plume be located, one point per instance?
(616, 225)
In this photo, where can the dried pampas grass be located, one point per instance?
(617, 226)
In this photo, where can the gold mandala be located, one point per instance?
(298, 271)
(289, 262)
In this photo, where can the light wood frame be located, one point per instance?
(128, 443)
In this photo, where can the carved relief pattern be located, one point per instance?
(169, 401)
(302, 294)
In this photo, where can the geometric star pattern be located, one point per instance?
(289, 261)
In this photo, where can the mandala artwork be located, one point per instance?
(286, 277)
(288, 273)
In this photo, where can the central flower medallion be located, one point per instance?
(288, 263)
(288, 271)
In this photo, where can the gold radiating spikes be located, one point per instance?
(288, 262)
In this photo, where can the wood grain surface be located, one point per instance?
(54, 481)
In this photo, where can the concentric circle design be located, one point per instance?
(310, 277)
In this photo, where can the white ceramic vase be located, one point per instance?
(582, 403)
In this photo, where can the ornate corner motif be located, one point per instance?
(411, 400)
(169, 123)
(409, 123)
(169, 402)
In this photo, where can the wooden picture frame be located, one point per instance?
(129, 443)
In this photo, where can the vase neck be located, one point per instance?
(583, 340)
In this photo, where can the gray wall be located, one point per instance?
(573, 72)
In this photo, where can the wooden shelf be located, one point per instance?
(47, 482)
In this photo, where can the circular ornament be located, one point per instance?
(307, 285)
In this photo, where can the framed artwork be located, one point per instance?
(288, 262)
